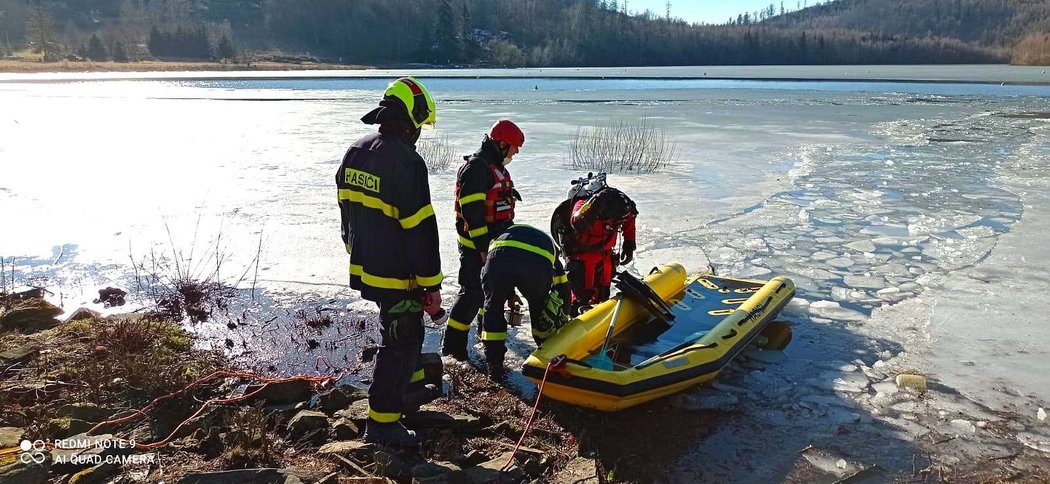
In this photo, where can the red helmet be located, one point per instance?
(506, 131)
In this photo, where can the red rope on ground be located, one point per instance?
(554, 364)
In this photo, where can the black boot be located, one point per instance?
(392, 434)
(455, 344)
(495, 369)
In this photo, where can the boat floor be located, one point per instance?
(698, 309)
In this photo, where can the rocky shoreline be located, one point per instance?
(63, 380)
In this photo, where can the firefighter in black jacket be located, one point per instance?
(525, 258)
(484, 208)
(390, 232)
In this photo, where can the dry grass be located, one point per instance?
(623, 146)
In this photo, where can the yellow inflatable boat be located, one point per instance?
(681, 335)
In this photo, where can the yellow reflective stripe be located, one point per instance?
(452, 323)
(562, 279)
(418, 375)
(522, 246)
(540, 334)
(419, 217)
(380, 282)
(494, 336)
(465, 242)
(430, 281)
(383, 417)
(347, 248)
(369, 201)
(482, 231)
(477, 197)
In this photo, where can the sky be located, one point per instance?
(709, 11)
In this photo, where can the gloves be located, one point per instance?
(627, 252)
(431, 301)
(626, 256)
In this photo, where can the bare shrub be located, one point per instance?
(257, 446)
(438, 153)
(623, 146)
(182, 285)
(1033, 50)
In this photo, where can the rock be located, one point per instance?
(535, 467)
(286, 409)
(82, 313)
(99, 474)
(489, 471)
(437, 473)
(346, 447)
(86, 451)
(20, 354)
(579, 470)
(345, 429)
(88, 412)
(283, 392)
(337, 398)
(439, 419)
(705, 400)
(1041, 414)
(20, 473)
(392, 466)
(63, 427)
(306, 421)
(253, 476)
(914, 382)
(31, 314)
(474, 458)
(357, 412)
(10, 436)
(111, 296)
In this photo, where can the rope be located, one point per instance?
(554, 364)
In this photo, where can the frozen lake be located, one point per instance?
(910, 215)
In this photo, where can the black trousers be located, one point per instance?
(397, 358)
(468, 301)
(501, 276)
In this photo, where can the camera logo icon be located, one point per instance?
(32, 452)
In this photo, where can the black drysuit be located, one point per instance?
(391, 234)
(522, 258)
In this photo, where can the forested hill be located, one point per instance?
(530, 32)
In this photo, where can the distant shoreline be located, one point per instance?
(20, 66)
(987, 74)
